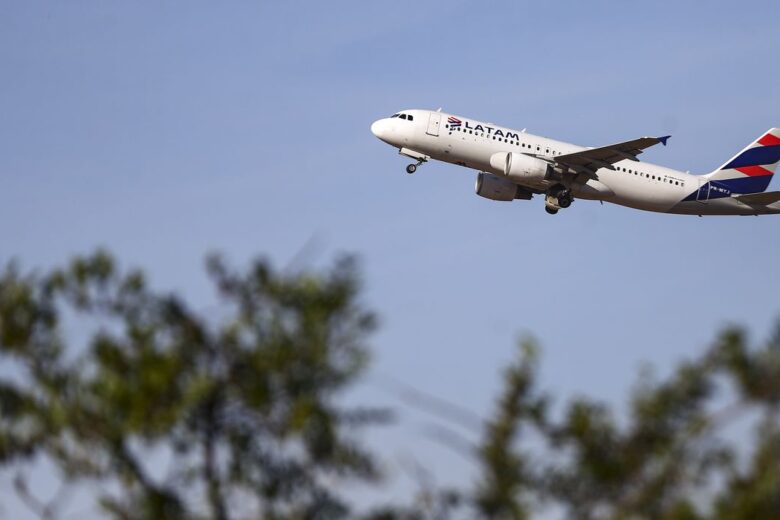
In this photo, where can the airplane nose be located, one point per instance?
(377, 128)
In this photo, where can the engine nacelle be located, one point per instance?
(519, 167)
(494, 187)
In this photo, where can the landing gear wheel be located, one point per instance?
(411, 169)
(558, 197)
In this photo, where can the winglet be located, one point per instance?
(664, 139)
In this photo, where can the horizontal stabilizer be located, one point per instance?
(760, 199)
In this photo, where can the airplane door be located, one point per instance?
(704, 191)
(433, 123)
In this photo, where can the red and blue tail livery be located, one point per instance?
(751, 169)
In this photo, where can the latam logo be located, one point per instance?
(455, 123)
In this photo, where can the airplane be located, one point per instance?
(513, 164)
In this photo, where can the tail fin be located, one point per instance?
(751, 169)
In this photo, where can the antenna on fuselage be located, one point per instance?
(439, 109)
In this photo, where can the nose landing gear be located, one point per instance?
(410, 169)
(417, 156)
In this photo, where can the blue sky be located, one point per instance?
(167, 130)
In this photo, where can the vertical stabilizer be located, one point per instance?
(751, 169)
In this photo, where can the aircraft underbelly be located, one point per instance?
(640, 195)
(646, 200)
(724, 206)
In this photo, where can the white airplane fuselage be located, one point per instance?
(463, 141)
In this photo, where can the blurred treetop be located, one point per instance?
(172, 414)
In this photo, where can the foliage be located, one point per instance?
(676, 456)
(245, 408)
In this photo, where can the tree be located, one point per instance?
(243, 407)
(676, 456)
(673, 458)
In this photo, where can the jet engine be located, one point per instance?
(494, 187)
(519, 167)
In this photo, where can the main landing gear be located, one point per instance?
(559, 197)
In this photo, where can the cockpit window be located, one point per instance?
(407, 117)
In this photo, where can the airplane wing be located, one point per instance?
(588, 161)
(759, 199)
